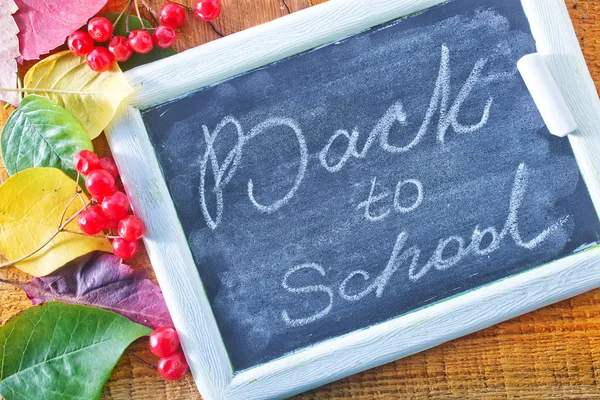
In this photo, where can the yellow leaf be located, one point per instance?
(67, 73)
(31, 205)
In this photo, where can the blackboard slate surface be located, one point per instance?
(365, 179)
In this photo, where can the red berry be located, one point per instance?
(172, 15)
(100, 59)
(124, 249)
(119, 47)
(140, 41)
(100, 183)
(108, 164)
(85, 162)
(115, 206)
(207, 10)
(131, 228)
(112, 224)
(80, 43)
(98, 199)
(100, 29)
(164, 36)
(164, 341)
(91, 221)
(173, 367)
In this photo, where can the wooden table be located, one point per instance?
(550, 353)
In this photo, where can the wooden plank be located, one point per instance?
(550, 353)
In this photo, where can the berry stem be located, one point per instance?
(81, 198)
(151, 12)
(86, 235)
(78, 190)
(215, 29)
(13, 283)
(137, 11)
(77, 193)
(62, 217)
(146, 363)
(20, 86)
(59, 230)
(128, 14)
(190, 9)
(122, 12)
(144, 28)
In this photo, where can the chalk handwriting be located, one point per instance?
(257, 130)
(403, 209)
(439, 260)
(223, 172)
(381, 201)
(372, 200)
(306, 289)
(396, 114)
(384, 194)
(232, 161)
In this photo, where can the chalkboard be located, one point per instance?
(368, 178)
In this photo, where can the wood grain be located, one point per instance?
(550, 353)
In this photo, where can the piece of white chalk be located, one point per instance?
(546, 95)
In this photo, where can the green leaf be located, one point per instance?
(137, 59)
(58, 351)
(41, 133)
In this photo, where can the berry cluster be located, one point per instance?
(164, 343)
(120, 48)
(109, 208)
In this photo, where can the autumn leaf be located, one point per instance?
(60, 351)
(45, 24)
(42, 134)
(102, 280)
(31, 205)
(91, 97)
(9, 51)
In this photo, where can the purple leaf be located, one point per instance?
(102, 280)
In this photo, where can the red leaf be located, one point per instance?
(101, 280)
(45, 24)
(9, 51)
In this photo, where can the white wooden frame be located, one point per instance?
(342, 356)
